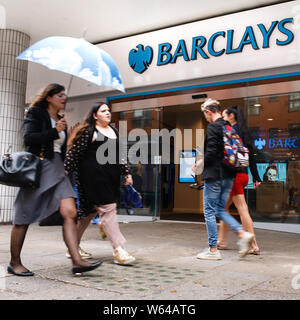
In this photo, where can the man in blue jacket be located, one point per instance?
(218, 179)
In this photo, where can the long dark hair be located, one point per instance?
(88, 122)
(241, 122)
(49, 91)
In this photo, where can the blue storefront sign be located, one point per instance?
(276, 143)
(257, 37)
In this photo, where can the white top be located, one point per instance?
(60, 141)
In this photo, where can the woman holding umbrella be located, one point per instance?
(98, 180)
(45, 135)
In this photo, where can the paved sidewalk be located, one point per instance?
(166, 266)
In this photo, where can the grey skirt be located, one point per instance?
(32, 205)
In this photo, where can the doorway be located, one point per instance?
(178, 200)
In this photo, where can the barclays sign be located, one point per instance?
(140, 59)
(255, 37)
(278, 143)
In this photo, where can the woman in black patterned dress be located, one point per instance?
(93, 160)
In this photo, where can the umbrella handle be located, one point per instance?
(71, 78)
(69, 86)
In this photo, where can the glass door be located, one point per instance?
(138, 130)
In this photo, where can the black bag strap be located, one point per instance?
(9, 149)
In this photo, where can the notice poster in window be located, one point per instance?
(186, 161)
(269, 172)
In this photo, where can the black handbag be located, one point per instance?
(20, 169)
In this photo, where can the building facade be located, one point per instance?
(249, 58)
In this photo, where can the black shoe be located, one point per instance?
(92, 266)
(21, 274)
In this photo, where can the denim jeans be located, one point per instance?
(215, 197)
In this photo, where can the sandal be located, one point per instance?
(221, 245)
(254, 251)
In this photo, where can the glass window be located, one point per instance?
(142, 118)
(122, 115)
(254, 132)
(294, 129)
(137, 118)
(274, 132)
(273, 98)
(138, 113)
(294, 102)
(253, 106)
(145, 176)
(275, 136)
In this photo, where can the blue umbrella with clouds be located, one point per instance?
(77, 57)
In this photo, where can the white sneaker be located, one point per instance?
(121, 256)
(208, 255)
(245, 243)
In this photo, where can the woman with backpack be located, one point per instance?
(234, 116)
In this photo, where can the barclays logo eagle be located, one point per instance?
(140, 59)
(260, 143)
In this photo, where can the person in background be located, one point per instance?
(218, 180)
(45, 136)
(96, 220)
(137, 184)
(234, 115)
(271, 172)
(93, 158)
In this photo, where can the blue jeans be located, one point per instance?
(215, 197)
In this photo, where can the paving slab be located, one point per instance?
(166, 266)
